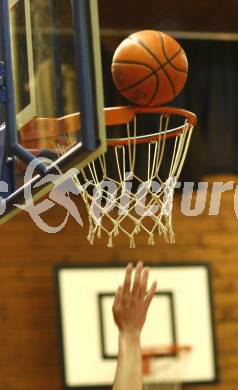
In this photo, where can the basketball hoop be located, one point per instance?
(124, 202)
(164, 366)
(112, 206)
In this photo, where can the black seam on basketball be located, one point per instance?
(131, 63)
(139, 81)
(153, 71)
(174, 55)
(155, 90)
(141, 43)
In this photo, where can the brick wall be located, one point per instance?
(29, 353)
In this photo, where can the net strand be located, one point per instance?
(167, 373)
(120, 210)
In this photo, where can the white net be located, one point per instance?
(119, 200)
(167, 373)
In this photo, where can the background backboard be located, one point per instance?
(181, 313)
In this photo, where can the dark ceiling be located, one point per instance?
(168, 15)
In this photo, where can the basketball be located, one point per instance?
(149, 68)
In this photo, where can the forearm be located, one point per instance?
(129, 366)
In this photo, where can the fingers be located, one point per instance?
(127, 280)
(137, 288)
(143, 284)
(150, 295)
(137, 279)
(131, 302)
(117, 297)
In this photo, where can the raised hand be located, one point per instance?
(132, 300)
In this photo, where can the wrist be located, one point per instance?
(129, 337)
(130, 345)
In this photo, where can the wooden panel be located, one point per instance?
(176, 15)
(203, 15)
(29, 354)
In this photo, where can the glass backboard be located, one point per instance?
(51, 52)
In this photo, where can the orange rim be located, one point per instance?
(148, 138)
(53, 127)
(161, 351)
(191, 117)
(165, 350)
(124, 115)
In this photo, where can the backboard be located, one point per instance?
(181, 313)
(52, 66)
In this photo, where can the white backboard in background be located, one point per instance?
(181, 313)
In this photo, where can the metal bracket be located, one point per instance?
(2, 83)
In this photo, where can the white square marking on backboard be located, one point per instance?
(79, 289)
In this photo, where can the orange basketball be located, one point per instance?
(149, 68)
